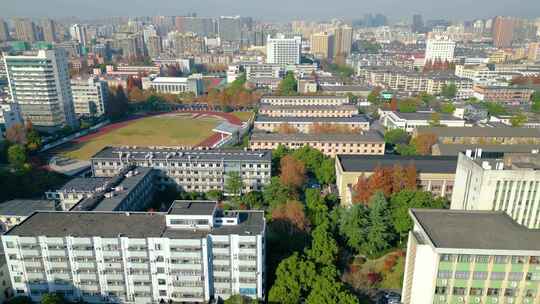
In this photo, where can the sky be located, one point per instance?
(273, 9)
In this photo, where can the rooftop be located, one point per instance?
(345, 88)
(24, 207)
(480, 132)
(85, 184)
(308, 107)
(303, 97)
(170, 80)
(423, 164)
(455, 149)
(352, 119)
(425, 116)
(447, 228)
(370, 136)
(193, 207)
(162, 153)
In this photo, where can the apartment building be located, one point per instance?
(440, 49)
(364, 143)
(271, 71)
(189, 170)
(509, 94)
(305, 124)
(411, 82)
(344, 110)
(410, 121)
(283, 50)
(508, 183)
(322, 100)
(195, 252)
(478, 135)
(177, 85)
(90, 96)
(435, 173)
(15, 211)
(456, 256)
(40, 84)
(130, 190)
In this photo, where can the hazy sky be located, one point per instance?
(272, 9)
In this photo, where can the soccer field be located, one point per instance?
(165, 130)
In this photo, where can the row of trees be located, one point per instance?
(406, 145)
(387, 180)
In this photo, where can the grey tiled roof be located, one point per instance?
(25, 207)
(353, 119)
(423, 164)
(481, 132)
(370, 136)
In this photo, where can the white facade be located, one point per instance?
(215, 256)
(178, 85)
(322, 100)
(440, 49)
(281, 50)
(90, 96)
(410, 121)
(78, 33)
(40, 84)
(10, 115)
(497, 184)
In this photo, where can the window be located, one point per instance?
(482, 259)
(518, 260)
(510, 292)
(480, 275)
(493, 291)
(476, 291)
(515, 276)
(440, 290)
(447, 258)
(497, 276)
(500, 259)
(458, 291)
(462, 275)
(162, 281)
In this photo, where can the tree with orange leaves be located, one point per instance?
(362, 191)
(411, 177)
(291, 214)
(293, 172)
(398, 178)
(424, 142)
(394, 104)
(286, 128)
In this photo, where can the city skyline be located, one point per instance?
(281, 10)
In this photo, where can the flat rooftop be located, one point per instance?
(342, 107)
(423, 164)
(425, 116)
(480, 132)
(460, 229)
(25, 207)
(352, 119)
(85, 184)
(304, 97)
(369, 136)
(455, 149)
(142, 153)
(193, 207)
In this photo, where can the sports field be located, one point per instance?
(166, 130)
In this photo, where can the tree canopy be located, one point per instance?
(289, 85)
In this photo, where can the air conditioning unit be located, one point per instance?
(444, 282)
(476, 300)
(494, 300)
(460, 299)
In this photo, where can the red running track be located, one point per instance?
(209, 142)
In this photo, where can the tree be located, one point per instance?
(449, 91)
(240, 299)
(16, 134)
(234, 184)
(317, 210)
(435, 120)
(118, 103)
(535, 107)
(411, 177)
(407, 105)
(214, 195)
(448, 108)
(394, 104)
(293, 172)
(17, 156)
(32, 137)
(396, 136)
(275, 193)
(316, 162)
(353, 226)
(518, 120)
(326, 290)
(52, 298)
(406, 150)
(324, 247)
(373, 96)
(424, 142)
(277, 154)
(362, 191)
(379, 234)
(495, 109)
(294, 275)
(292, 215)
(288, 86)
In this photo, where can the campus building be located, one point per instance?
(15, 211)
(178, 85)
(478, 135)
(410, 121)
(506, 183)
(439, 49)
(90, 96)
(189, 170)
(283, 50)
(344, 110)
(435, 173)
(456, 256)
(502, 93)
(305, 124)
(321, 100)
(40, 84)
(365, 143)
(195, 252)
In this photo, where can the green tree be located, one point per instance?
(324, 247)
(294, 275)
(407, 105)
(396, 136)
(518, 120)
(52, 298)
(254, 200)
(353, 225)
(240, 299)
(326, 290)
(448, 108)
(17, 156)
(380, 233)
(317, 163)
(276, 193)
(449, 91)
(495, 109)
(535, 106)
(234, 184)
(289, 85)
(374, 95)
(277, 154)
(19, 300)
(406, 150)
(214, 195)
(404, 200)
(317, 210)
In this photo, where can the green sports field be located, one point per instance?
(166, 130)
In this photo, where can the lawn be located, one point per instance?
(243, 116)
(166, 130)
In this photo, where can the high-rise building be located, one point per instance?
(508, 183)
(25, 30)
(192, 253)
(229, 28)
(456, 256)
(90, 96)
(503, 31)
(417, 23)
(153, 45)
(533, 51)
(40, 84)
(343, 36)
(4, 31)
(282, 50)
(79, 33)
(48, 27)
(201, 26)
(439, 49)
(322, 45)
(187, 44)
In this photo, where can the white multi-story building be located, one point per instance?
(177, 85)
(78, 33)
(318, 100)
(440, 49)
(509, 183)
(410, 121)
(195, 252)
(40, 84)
(10, 115)
(90, 96)
(282, 50)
